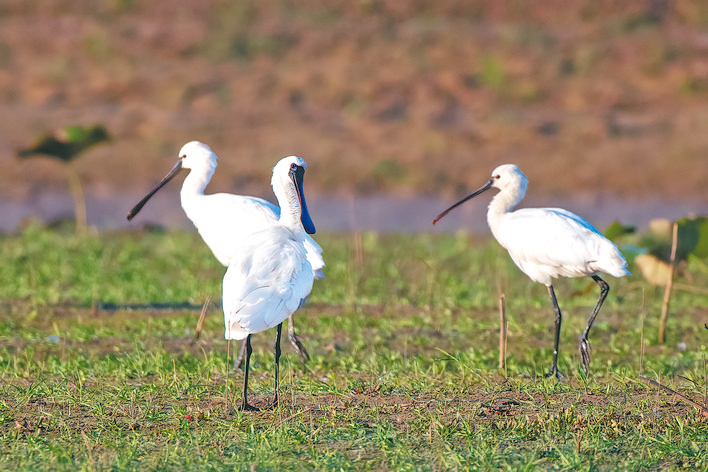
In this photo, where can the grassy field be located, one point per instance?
(101, 370)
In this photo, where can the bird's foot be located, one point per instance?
(274, 403)
(555, 373)
(584, 349)
(248, 407)
(299, 348)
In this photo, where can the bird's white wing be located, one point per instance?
(226, 221)
(314, 256)
(551, 242)
(265, 283)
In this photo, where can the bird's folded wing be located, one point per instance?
(267, 282)
(554, 238)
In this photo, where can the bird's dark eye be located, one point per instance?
(293, 166)
(497, 177)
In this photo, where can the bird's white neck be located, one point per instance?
(504, 202)
(192, 193)
(197, 180)
(290, 209)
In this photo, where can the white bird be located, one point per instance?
(271, 277)
(546, 243)
(225, 221)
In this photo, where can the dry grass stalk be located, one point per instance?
(202, 315)
(358, 250)
(89, 449)
(702, 409)
(503, 330)
(669, 286)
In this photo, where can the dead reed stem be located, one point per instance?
(503, 329)
(669, 286)
(702, 409)
(202, 315)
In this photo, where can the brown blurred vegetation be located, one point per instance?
(589, 97)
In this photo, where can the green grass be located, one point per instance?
(100, 369)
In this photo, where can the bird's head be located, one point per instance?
(195, 154)
(287, 183)
(508, 176)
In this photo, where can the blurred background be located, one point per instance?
(399, 107)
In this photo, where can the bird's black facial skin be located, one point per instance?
(296, 175)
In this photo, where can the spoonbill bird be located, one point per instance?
(225, 221)
(271, 277)
(546, 243)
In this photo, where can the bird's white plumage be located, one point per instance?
(556, 243)
(272, 261)
(546, 243)
(265, 283)
(271, 277)
(225, 221)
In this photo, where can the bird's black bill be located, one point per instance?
(484, 188)
(296, 175)
(170, 175)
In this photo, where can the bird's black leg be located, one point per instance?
(558, 318)
(239, 358)
(295, 341)
(246, 406)
(276, 354)
(584, 344)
